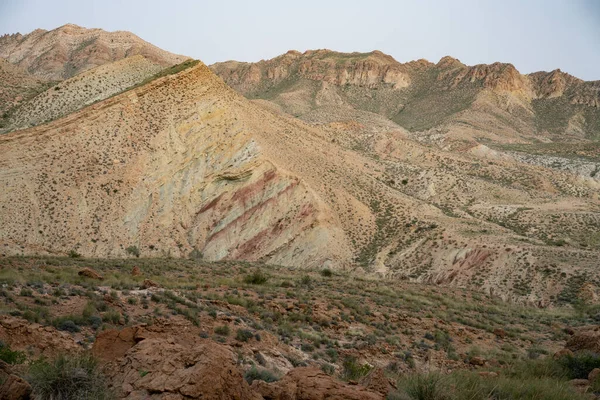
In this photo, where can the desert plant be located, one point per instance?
(11, 356)
(260, 374)
(426, 387)
(68, 377)
(353, 370)
(243, 335)
(133, 250)
(256, 278)
(222, 330)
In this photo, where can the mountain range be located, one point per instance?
(474, 176)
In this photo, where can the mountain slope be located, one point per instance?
(70, 49)
(17, 86)
(88, 87)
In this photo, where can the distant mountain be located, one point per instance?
(466, 102)
(70, 49)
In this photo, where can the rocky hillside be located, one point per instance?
(70, 49)
(190, 329)
(84, 89)
(17, 86)
(184, 165)
(494, 101)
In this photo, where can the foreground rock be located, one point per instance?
(310, 383)
(22, 335)
(15, 388)
(159, 368)
(585, 339)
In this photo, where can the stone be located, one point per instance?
(500, 333)
(147, 284)
(594, 374)
(585, 339)
(164, 368)
(310, 383)
(90, 273)
(112, 344)
(477, 361)
(15, 388)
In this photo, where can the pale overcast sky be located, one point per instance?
(532, 34)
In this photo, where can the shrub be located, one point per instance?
(328, 368)
(243, 335)
(68, 377)
(68, 325)
(26, 292)
(259, 374)
(74, 254)
(326, 272)
(352, 370)
(578, 366)
(426, 387)
(133, 250)
(256, 278)
(195, 255)
(222, 330)
(11, 356)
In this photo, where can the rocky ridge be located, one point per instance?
(70, 49)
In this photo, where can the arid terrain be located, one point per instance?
(334, 215)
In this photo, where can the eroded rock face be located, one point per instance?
(160, 368)
(112, 344)
(310, 383)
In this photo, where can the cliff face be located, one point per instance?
(359, 69)
(420, 95)
(70, 49)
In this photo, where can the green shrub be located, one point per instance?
(68, 325)
(222, 330)
(426, 387)
(353, 370)
(243, 335)
(68, 377)
(578, 366)
(195, 255)
(326, 272)
(256, 278)
(11, 356)
(259, 374)
(133, 250)
(74, 254)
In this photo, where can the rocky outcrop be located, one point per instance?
(70, 49)
(370, 70)
(112, 344)
(22, 335)
(90, 273)
(161, 368)
(310, 383)
(585, 339)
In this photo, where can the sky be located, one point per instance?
(534, 35)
